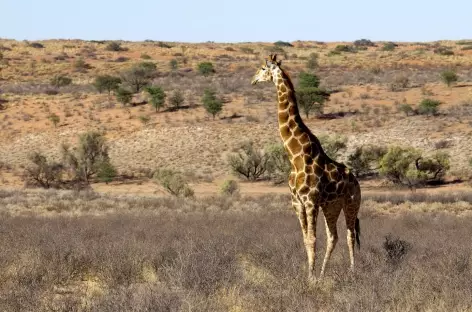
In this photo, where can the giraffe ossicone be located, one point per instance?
(316, 181)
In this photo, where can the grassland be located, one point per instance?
(128, 246)
(68, 251)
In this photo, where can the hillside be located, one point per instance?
(371, 86)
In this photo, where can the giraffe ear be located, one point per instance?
(272, 57)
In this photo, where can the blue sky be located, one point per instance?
(236, 21)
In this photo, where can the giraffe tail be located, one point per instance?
(357, 229)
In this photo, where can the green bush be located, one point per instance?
(106, 172)
(279, 166)
(397, 165)
(176, 99)
(54, 118)
(364, 43)
(173, 183)
(428, 107)
(212, 104)
(206, 68)
(389, 46)
(106, 83)
(173, 64)
(311, 100)
(283, 44)
(157, 97)
(345, 48)
(123, 96)
(145, 56)
(230, 187)
(407, 109)
(407, 166)
(449, 77)
(333, 145)
(307, 80)
(85, 161)
(248, 162)
(364, 160)
(114, 46)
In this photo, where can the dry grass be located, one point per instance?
(87, 252)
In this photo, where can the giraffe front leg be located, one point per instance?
(310, 240)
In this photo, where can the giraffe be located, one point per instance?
(315, 181)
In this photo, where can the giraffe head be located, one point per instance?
(268, 70)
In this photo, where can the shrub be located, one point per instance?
(176, 99)
(123, 96)
(364, 160)
(145, 56)
(406, 166)
(206, 68)
(106, 172)
(333, 145)
(364, 43)
(311, 99)
(428, 107)
(60, 81)
(283, 44)
(248, 162)
(396, 249)
(36, 45)
(443, 51)
(307, 80)
(449, 77)
(41, 172)
(230, 187)
(211, 103)
(139, 76)
(144, 119)
(279, 166)
(86, 160)
(312, 62)
(345, 48)
(397, 165)
(173, 64)
(54, 119)
(400, 82)
(115, 46)
(389, 46)
(158, 97)
(432, 170)
(173, 183)
(106, 82)
(81, 66)
(407, 109)
(162, 44)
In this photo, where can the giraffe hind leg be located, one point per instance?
(331, 218)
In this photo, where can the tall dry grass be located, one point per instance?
(97, 253)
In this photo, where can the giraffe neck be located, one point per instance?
(295, 134)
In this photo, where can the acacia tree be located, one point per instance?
(212, 104)
(139, 76)
(106, 83)
(42, 172)
(86, 160)
(157, 97)
(309, 96)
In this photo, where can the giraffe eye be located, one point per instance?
(263, 68)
